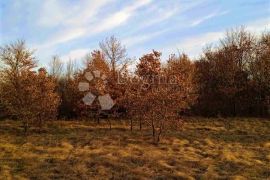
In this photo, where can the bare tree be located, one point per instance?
(71, 68)
(115, 54)
(56, 67)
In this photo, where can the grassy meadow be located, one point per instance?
(233, 148)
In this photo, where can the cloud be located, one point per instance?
(62, 37)
(119, 17)
(112, 21)
(141, 38)
(159, 13)
(88, 12)
(75, 54)
(60, 12)
(194, 45)
(259, 25)
(207, 17)
(55, 26)
(51, 13)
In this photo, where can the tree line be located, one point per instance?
(231, 78)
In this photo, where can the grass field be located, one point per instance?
(204, 149)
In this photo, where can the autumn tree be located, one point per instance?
(228, 76)
(163, 92)
(15, 60)
(260, 75)
(67, 86)
(96, 77)
(174, 94)
(45, 98)
(3, 110)
(180, 71)
(116, 57)
(133, 99)
(28, 96)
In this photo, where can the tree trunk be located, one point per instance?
(39, 123)
(98, 116)
(131, 124)
(26, 126)
(110, 124)
(159, 133)
(98, 119)
(140, 123)
(153, 130)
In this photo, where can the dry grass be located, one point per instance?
(204, 149)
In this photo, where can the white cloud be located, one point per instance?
(119, 17)
(75, 54)
(194, 45)
(79, 30)
(160, 13)
(141, 38)
(207, 17)
(138, 4)
(51, 13)
(62, 37)
(111, 22)
(259, 25)
(60, 12)
(87, 12)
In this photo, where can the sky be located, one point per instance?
(73, 28)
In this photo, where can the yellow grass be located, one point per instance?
(204, 149)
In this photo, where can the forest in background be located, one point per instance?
(229, 79)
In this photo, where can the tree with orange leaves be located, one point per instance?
(28, 96)
(162, 92)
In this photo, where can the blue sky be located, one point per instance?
(72, 28)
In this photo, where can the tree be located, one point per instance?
(45, 100)
(97, 86)
(132, 101)
(67, 89)
(232, 77)
(115, 54)
(149, 66)
(260, 75)
(162, 93)
(28, 96)
(71, 69)
(180, 71)
(16, 59)
(56, 67)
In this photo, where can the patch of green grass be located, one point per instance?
(235, 148)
